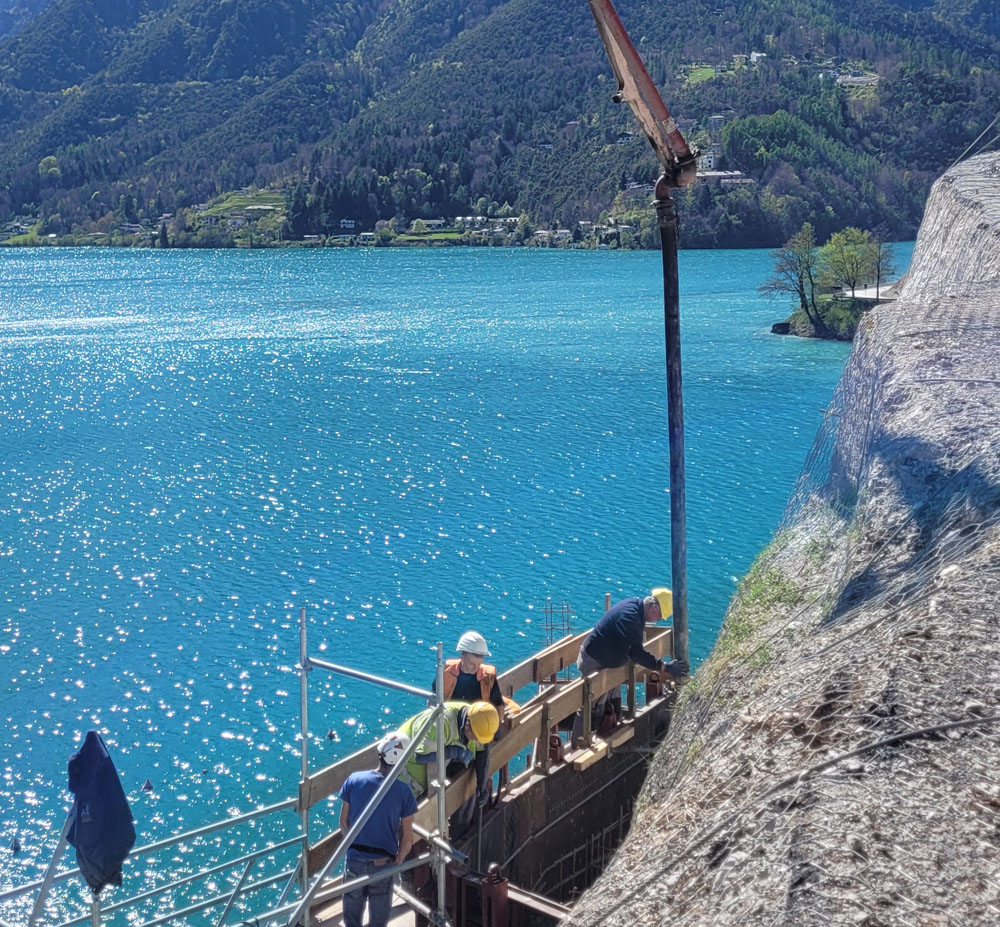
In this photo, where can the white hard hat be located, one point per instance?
(473, 642)
(392, 747)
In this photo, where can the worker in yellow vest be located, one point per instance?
(468, 732)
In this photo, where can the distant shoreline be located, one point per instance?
(406, 242)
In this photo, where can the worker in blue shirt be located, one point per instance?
(618, 638)
(386, 837)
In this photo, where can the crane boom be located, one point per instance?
(636, 88)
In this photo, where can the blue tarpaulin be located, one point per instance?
(102, 830)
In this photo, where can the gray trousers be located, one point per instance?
(586, 665)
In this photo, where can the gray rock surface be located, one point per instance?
(836, 761)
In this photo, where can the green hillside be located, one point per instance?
(16, 14)
(131, 112)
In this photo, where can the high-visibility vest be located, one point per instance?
(415, 774)
(486, 676)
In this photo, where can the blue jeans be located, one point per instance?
(378, 894)
(586, 664)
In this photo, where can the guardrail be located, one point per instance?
(95, 912)
(536, 670)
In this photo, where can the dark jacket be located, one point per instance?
(102, 829)
(618, 637)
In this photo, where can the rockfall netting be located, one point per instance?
(837, 759)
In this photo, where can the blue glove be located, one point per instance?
(675, 668)
(457, 752)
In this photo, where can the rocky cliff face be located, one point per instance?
(837, 759)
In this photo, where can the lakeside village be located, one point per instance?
(255, 218)
(258, 219)
(251, 218)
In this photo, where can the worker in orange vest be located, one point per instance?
(470, 679)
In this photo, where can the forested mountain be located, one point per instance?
(16, 14)
(835, 111)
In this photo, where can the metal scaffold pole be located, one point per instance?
(442, 803)
(304, 743)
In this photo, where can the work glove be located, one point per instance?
(484, 795)
(675, 668)
(458, 752)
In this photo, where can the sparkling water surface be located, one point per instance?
(409, 443)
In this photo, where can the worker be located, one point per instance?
(468, 731)
(469, 679)
(386, 837)
(618, 638)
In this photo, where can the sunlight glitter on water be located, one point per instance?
(410, 444)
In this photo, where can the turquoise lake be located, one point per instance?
(410, 443)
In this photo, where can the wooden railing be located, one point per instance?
(538, 716)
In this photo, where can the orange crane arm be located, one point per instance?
(636, 88)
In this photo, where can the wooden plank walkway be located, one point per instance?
(330, 915)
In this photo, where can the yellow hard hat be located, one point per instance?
(666, 599)
(484, 721)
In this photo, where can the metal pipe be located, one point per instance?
(666, 218)
(50, 872)
(217, 899)
(433, 838)
(286, 891)
(95, 911)
(304, 669)
(217, 825)
(414, 902)
(442, 805)
(680, 168)
(479, 836)
(235, 892)
(371, 677)
(362, 819)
